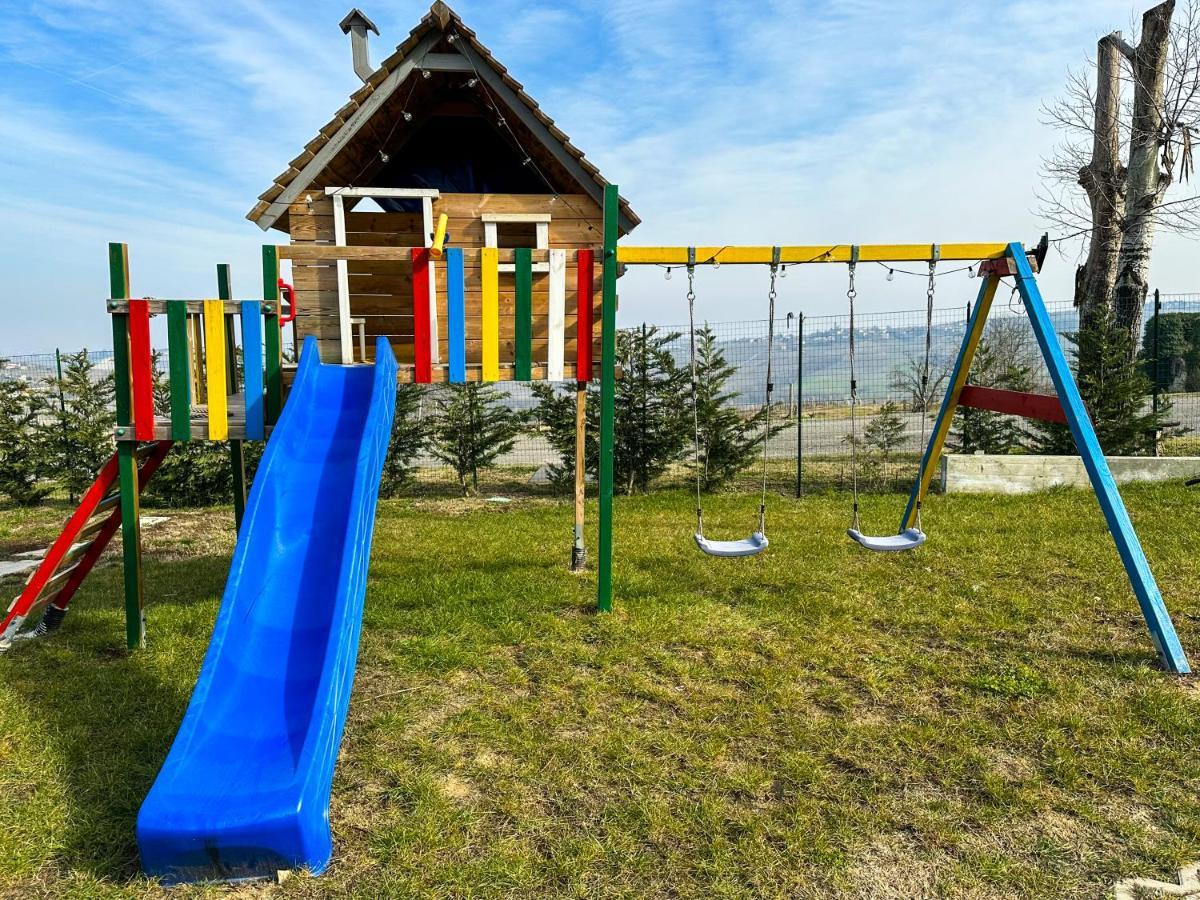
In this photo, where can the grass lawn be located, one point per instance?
(982, 718)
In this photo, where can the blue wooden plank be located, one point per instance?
(1158, 620)
(937, 437)
(456, 317)
(252, 365)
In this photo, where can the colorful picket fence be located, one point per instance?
(425, 339)
(223, 366)
(477, 313)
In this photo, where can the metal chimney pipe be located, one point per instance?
(356, 24)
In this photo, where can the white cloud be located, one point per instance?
(774, 122)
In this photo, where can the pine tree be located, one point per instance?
(85, 430)
(1115, 391)
(410, 434)
(979, 430)
(23, 449)
(472, 430)
(652, 420)
(729, 441)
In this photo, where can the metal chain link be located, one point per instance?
(691, 299)
(851, 293)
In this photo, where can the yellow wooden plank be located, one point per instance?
(964, 370)
(827, 253)
(214, 359)
(490, 339)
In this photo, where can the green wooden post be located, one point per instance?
(272, 339)
(608, 387)
(179, 364)
(523, 318)
(131, 536)
(237, 453)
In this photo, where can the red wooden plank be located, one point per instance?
(104, 535)
(585, 276)
(421, 348)
(1043, 407)
(141, 365)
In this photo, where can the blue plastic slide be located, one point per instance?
(244, 791)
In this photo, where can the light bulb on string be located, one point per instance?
(667, 277)
(783, 274)
(891, 276)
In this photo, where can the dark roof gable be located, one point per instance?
(441, 25)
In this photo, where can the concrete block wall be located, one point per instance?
(1003, 474)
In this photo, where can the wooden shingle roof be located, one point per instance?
(439, 24)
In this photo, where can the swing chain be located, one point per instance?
(776, 253)
(851, 294)
(691, 299)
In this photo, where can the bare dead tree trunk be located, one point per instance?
(1102, 179)
(1149, 170)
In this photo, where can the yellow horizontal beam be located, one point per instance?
(828, 253)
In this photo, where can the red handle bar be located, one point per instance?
(290, 291)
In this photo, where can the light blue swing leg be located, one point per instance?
(1162, 631)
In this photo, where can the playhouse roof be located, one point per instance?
(440, 29)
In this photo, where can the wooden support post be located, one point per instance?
(608, 387)
(1158, 620)
(579, 548)
(131, 537)
(237, 453)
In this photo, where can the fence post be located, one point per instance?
(1154, 385)
(800, 408)
(62, 407)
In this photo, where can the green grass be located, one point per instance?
(982, 718)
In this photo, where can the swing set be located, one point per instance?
(995, 261)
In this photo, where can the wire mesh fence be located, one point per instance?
(811, 399)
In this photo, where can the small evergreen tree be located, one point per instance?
(729, 441)
(1115, 391)
(555, 413)
(85, 438)
(979, 430)
(23, 450)
(199, 473)
(472, 429)
(885, 432)
(652, 422)
(410, 434)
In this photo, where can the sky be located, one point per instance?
(790, 122)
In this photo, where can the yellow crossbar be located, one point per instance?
(827, 253)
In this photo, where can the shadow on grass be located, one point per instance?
(108, 716)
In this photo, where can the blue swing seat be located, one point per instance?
(751, 546)
(908, 539)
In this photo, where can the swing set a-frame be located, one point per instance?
(996, 262)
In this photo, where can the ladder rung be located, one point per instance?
(106, 504)
(92, 529)
(53, 585)
(145, 451)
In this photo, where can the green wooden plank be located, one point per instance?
(118, 271)
(608, 386)
(523, 324)
(179, 369)
(131, 537)
(225, 292)
(272, 338)
(118, 276)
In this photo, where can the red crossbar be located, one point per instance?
(585, 274)
(422, 356)
(1043, 407)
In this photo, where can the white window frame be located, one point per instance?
(541, 221)
(339, 195)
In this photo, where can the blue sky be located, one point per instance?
(771, 123)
